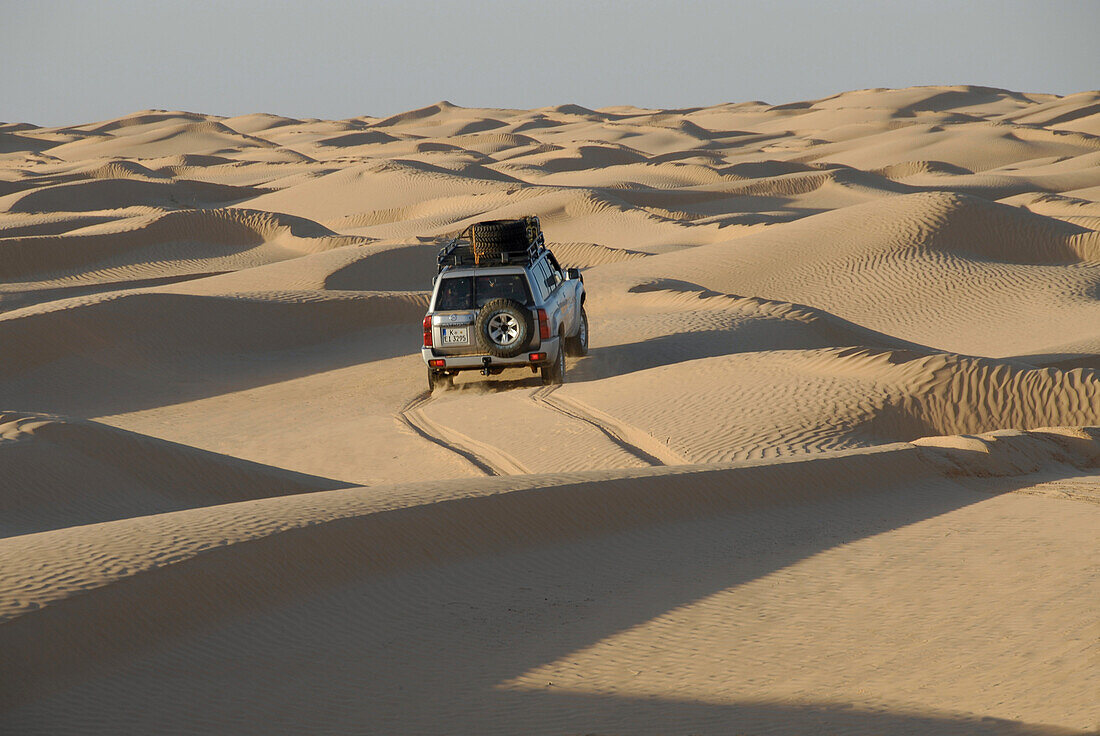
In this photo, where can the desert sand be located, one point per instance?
(832, 464)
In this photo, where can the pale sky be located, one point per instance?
(71, 62)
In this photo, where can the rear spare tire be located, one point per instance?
(504, 328)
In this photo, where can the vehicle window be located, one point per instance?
(553, 278)
(555, 269)
(455, 293)
(541, 274)
(505, 286)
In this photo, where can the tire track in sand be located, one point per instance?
(486, 458)
(631, 439)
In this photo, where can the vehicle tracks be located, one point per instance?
(486, 458)
(631, 439)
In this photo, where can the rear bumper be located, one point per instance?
(472, 362)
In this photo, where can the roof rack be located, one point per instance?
(459, 251)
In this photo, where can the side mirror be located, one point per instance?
(573, 274)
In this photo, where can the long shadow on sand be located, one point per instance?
(330, 645)
(70, 473)
(617, 360)
(126, 376)
(127, 379)
(12, 300)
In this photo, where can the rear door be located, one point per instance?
(458, 300)
(453, 316)
(566, 295)
(549, 287)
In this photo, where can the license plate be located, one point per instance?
(456, 335)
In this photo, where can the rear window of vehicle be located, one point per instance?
(466, 292)
(455, 293)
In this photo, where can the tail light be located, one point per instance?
(427, 330)
(544, 325)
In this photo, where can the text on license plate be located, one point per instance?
(456, 335)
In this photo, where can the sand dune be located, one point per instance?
(830, 465)
(154, 325)
(672, 410)
(938, 260)
(61, 473)
(100, 193)
(189, 570)
(163, 244)
(156, 136)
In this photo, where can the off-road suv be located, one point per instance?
(500, 300)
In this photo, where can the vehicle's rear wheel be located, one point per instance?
(577, 345)
(554, 374)
(440, 380)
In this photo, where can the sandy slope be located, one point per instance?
(660, 597)
(60, 473)
(799, 484)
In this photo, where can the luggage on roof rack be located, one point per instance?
(494, 243)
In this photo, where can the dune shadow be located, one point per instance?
(90, 385)
(71, 473)
(617, 360)
(410, 268)
(752, 337)
(438, 648)
(606, 715)
(12, 300)
(654, 352)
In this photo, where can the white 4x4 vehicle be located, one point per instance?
(500, 300)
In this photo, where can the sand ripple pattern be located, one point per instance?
(829, 465)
